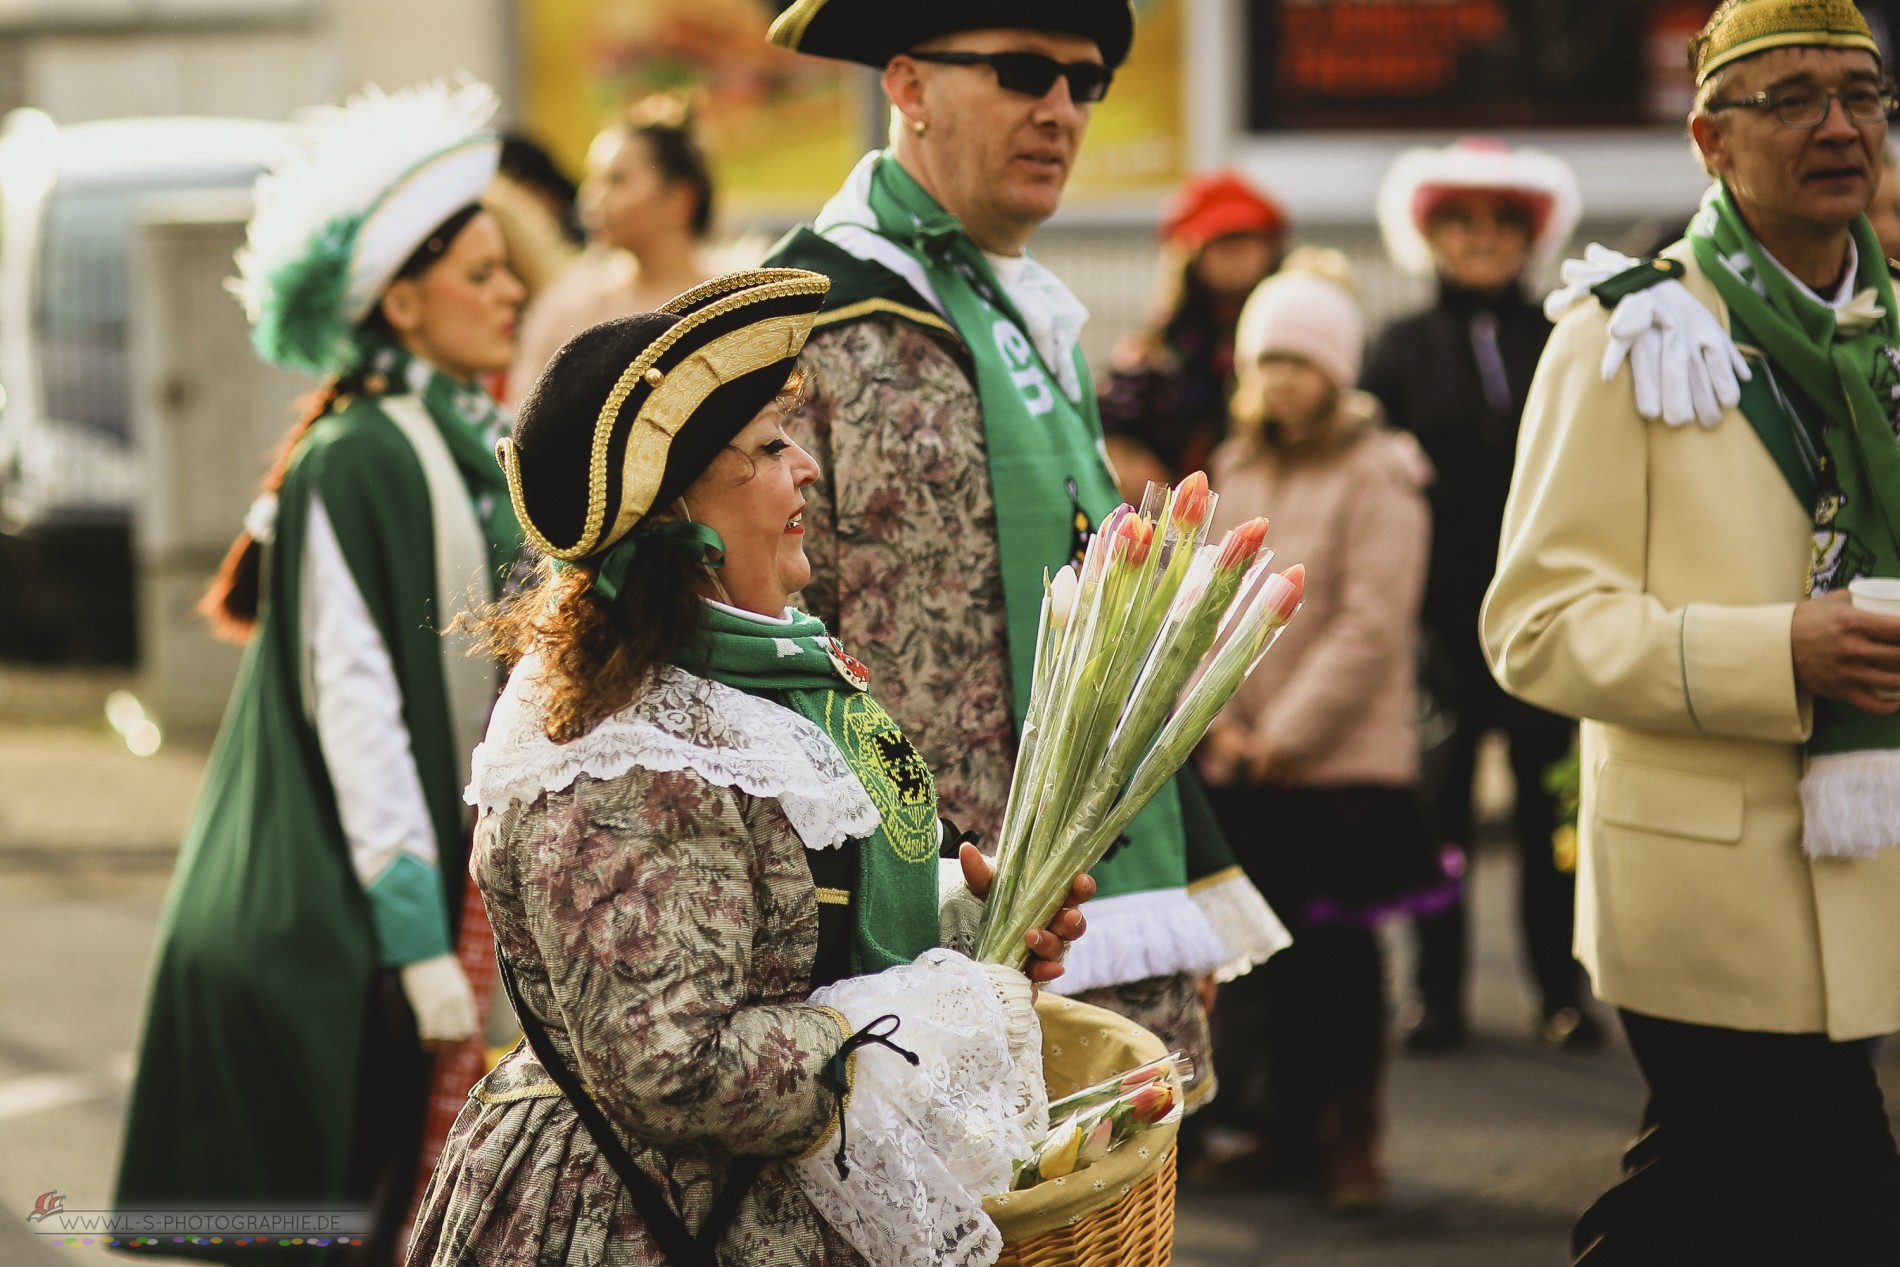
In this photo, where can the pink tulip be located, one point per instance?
(1152, 1102)
(1095, 1146)
(1133, 536)
(1146, 1073)
(1284, 592)
(1191, 502)
(1241, 544)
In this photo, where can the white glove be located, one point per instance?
(1682, 362)
(1598, 265)
(440, 996)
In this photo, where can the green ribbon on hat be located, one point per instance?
(610, 575)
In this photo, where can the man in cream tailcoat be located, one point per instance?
(1683, 590)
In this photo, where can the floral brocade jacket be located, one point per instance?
(665, 927)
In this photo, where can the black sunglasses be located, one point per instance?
(1033, 74)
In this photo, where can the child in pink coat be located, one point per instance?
(1313, 766)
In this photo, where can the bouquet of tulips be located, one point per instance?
(1134, 657)
(1096, 1120)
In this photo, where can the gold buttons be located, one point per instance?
(654, 376)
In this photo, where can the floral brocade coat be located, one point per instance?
(665, 928)
(901, 532)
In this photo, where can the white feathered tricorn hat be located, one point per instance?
(359, 189)
(1422, 180)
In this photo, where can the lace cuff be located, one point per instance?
(926, 1143)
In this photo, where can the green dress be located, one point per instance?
(268, 983)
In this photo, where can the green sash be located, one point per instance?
(1845, 462)
(1046, 467)
(471, 422)
(894, 910)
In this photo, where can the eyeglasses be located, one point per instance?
(1808, 107)
(1033, 74)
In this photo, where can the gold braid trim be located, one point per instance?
(868, 307)
(534, 1091)
(788, 30)
(1218, 877)
(726, 284)
(671, 406)
(833, 1123)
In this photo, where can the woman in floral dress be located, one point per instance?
(692, 816)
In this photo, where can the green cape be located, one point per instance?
(247, 1088)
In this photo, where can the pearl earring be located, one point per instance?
(918, 126)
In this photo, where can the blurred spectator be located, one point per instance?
(528, 164)
(1164, 406)
(648, 206)
(1312, 768)
(1455, 376)
(535, 206)
(1884, 212)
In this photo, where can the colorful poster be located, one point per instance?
(781, 129)
(1137, 143)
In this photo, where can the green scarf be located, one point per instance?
(1841, 458)
(1047, 472)
(471, 423)
(894, 910)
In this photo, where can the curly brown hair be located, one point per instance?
(596, 655)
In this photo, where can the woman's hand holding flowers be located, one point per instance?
(1048, 943)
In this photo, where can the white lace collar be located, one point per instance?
(680, 722)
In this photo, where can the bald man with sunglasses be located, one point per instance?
(954, 419)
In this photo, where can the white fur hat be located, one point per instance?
(362, 186)
(1420, 179)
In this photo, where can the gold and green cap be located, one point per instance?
(1743, 28)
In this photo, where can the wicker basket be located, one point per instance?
(1118, 1212)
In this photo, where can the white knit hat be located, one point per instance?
(1304, 313)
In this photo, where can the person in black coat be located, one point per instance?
(1456, 376)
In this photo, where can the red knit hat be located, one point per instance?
(1216, 204)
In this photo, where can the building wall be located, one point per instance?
(96, 59)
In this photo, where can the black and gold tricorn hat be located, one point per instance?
(630, 412)
(874, 31)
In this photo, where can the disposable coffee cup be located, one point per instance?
(1878, 594)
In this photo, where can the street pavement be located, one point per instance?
(1493, 1150)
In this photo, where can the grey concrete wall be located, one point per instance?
(261, 59)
